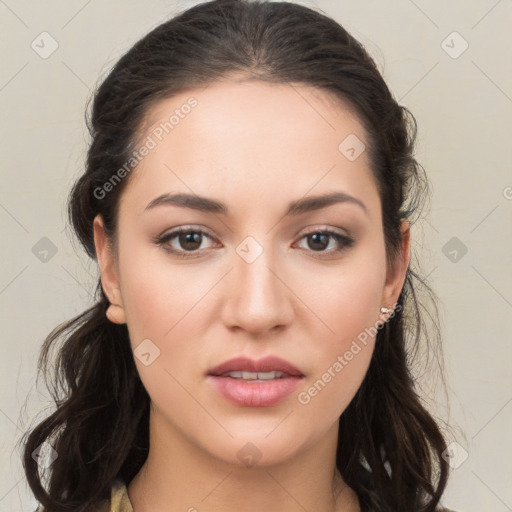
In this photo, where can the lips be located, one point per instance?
(267, 364)
(249, 383)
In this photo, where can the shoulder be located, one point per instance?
(119, 500)
(440, 508)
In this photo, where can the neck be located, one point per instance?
(179, 475)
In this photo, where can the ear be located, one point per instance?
(109, 272)
(395, 277)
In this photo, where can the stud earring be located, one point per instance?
(385, 310)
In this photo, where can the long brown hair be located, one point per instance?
(99, 428)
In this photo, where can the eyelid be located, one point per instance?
(319, 227)
(185, 227)
(201, 229)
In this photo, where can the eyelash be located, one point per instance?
(345, 241)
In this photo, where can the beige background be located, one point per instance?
(463, 104)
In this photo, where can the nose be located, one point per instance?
(258, 298)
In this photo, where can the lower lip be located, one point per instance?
(254, 393)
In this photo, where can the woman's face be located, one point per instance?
(255, 277)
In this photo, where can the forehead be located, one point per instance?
(242, 139)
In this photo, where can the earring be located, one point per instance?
(384, 311)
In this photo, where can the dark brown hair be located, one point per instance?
(99, 428)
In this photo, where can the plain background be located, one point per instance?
(462, 100)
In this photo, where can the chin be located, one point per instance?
(256, 451)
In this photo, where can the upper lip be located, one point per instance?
(266, 364)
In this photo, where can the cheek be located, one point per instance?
(158, 296)
(346, 299)
(343, 352)
(347, 302)
(164, 303)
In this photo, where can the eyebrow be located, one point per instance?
(298, 207)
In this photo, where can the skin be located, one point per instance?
(256, 147)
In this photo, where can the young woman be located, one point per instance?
(248, 195)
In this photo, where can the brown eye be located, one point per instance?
(187, 241)
(190, 241)
(319, 241)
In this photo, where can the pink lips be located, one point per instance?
(256, 393)
(267, 364)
